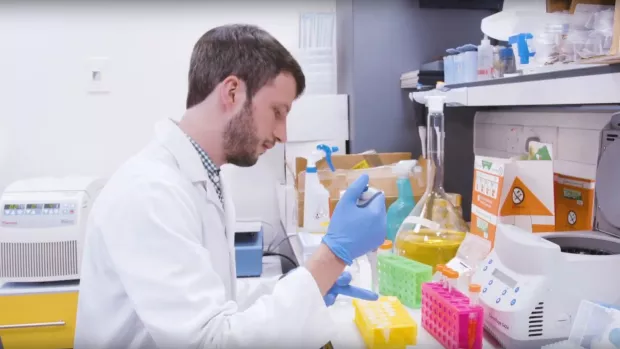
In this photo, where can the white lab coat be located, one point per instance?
(158, 269)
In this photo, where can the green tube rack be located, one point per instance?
(403, 278)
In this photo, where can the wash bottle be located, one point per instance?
(316, 197)
(400, 209)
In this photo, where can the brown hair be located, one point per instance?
(245, 51)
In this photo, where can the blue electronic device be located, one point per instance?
(249, 252)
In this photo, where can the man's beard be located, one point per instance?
(240, 140)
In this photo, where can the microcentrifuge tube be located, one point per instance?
(474, 293)
(444, 278)
(440, 268)
(452, 276)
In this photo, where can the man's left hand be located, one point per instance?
(343, 287)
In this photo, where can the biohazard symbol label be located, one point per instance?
(572, 217)
(517, 196)
(523, 202)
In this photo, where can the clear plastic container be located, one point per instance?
(595, 327)
(434, 230)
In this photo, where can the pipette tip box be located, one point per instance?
(446, 316)
(403, 278)
(385, 323)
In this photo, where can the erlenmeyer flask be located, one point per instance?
(434, 230)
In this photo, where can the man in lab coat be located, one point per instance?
(158, 269)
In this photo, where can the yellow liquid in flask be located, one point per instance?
(431, 247)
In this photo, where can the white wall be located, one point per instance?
(51, 125)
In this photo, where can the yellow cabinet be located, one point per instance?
(42, 320)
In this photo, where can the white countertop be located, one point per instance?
(343, 313)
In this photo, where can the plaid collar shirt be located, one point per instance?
(212, 170)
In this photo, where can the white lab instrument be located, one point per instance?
(545, 276)
(533, 283)
(42, 227)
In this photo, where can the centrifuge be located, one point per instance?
(533, 283)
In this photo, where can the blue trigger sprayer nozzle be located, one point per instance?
(522, 46)
(328, 154)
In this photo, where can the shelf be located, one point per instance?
(570, 85)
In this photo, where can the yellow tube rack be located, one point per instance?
(385, 323)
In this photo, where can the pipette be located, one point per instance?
(367, 196)
(372, 260)
(474, 294)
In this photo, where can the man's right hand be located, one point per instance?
(354, 231)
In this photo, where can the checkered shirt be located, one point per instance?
(212, 170)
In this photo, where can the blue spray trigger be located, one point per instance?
(523, 49)
(328, 154)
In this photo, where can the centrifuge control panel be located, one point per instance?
(28, 215)
(39, 209)
(501, 289)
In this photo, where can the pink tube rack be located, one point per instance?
(446, 317)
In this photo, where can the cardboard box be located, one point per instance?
(511, 191)
(349, 168)
(574, 203)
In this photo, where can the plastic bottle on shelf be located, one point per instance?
(507, 58)
(400, 209)
(433, 231)
(485, 60)
(470, 62)
(316, 198)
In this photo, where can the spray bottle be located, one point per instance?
(328, 154)
(400, 209)
(316, 197)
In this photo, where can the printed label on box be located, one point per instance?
(510, 191)
(488, 183)
(574, 203)
(523, 202)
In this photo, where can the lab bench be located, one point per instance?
(342, 314)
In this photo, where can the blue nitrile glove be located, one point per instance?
(354, 231)
(342, 287)
(614, 335)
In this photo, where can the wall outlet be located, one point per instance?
(98, 75)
